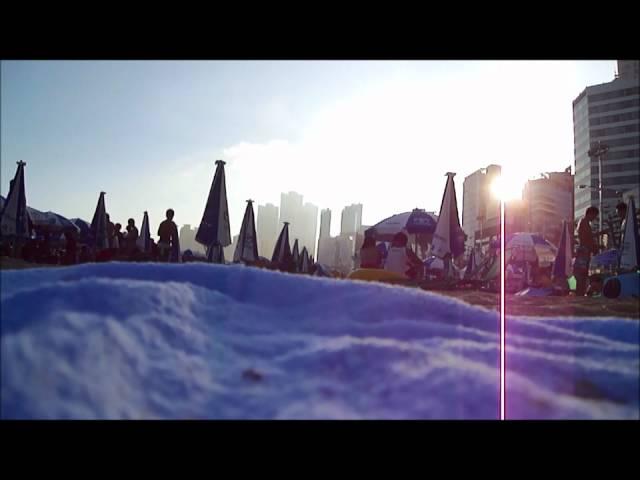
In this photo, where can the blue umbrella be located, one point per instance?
(247, 247)
(14, 217)
(99, 235)
(214, 228)
(415, 222)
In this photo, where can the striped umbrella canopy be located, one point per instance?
(529, 247)
(415, 222)
(14, 218)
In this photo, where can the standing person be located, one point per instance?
(110, 231)
(168, 233)
(621, 210)
(586, 247)
(118, 237)
(132, 236)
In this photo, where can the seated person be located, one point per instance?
(370, 255)
(401, 259)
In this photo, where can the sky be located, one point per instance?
(339, 132)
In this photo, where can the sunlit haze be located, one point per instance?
(378, 133)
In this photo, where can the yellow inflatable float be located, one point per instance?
(376, 275)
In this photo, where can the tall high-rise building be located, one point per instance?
(325, 229)
(351, 219)
(290, 207)
(291, 211)
(480, 209)
(549, 201)
(308, 227)
(267, 229)
(607, 113)
(325, 223)
(187, 236)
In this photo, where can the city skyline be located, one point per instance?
(147, 133)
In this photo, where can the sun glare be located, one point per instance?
(507, 188)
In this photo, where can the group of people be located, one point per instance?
(587, 246)
(69, 249)
(125, 245)
(399, 258)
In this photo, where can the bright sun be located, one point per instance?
(507, 187)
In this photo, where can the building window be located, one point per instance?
(614, 106)
(603, 132)
(615, 94)
(620, 117)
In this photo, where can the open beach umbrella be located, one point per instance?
(416, 222)
(529, 247)
(51, 222)
(247, 246)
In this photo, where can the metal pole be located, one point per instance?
(600, 187)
